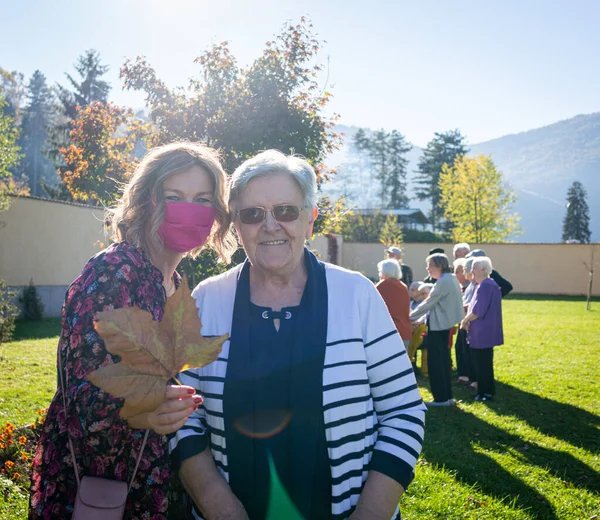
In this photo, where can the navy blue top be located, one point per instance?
(272, 430)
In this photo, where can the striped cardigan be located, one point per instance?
(374, 415)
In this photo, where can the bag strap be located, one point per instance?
(63, 388)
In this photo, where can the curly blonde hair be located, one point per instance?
(137, 220)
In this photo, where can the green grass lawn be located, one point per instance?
(533, 453)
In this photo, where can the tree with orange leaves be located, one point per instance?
(100, 156)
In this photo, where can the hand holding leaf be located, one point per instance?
(152, 352)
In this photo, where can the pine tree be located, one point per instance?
(444, 148)
(88, 88)
(396, 181)
(386, 163)
(576, 224)
(36, 167)
(361, 166)
(82, 92)
(378, 151)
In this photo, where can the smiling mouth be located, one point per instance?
(274, 242)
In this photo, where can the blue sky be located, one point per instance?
(487, 68)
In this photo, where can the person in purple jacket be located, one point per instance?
(483, 324)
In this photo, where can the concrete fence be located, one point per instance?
(531, 268)
(50, 242)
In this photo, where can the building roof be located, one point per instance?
(414, 215)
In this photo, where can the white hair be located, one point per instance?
(484, 262)
(459, 262)
(272, 162)
(426, 287)
(461, 246)
(390, 268)
(415, 285)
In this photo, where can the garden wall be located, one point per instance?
(531, 268)
(50, 242)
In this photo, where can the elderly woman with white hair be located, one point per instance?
(396, 297)
(313, 402)
(483, 323)
(413, 292)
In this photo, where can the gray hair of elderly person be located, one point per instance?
(440, 260)
(426, 287)
(273, 162)
(390, 268)
(461, 246)
(459, 263)
(415, 285)
(483, 262)
(475, 253)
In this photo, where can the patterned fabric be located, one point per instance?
(372, 409)
(105, 446)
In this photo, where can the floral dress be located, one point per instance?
(105, 445)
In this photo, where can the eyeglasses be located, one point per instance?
(281, 213)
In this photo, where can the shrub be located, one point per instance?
(8, 312)
(33, 308)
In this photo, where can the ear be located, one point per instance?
(311, 222)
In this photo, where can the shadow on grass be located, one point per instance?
(551, 297)
(462, 442)
(48, 328)
(569, 423)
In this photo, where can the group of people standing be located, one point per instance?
(468, 296)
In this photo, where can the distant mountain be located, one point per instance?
(541, 164)
(538, 164)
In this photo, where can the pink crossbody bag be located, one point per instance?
(97, 498)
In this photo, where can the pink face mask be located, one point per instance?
(186, 225)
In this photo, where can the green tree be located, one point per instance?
(363, 228)
(12, 90)
(443, 149)
(275, 102)
(9, 153)
(391, 232)
(576, 224)
(36, 167)
(476, 202)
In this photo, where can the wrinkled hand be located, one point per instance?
(179, 403)
(466, 325)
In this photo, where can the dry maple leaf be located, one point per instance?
(152, 352)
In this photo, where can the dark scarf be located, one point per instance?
(306, 384)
